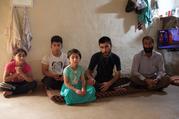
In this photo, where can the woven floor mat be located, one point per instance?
(54, 95)
(119, 92)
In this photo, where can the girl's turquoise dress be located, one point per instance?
(74, 79)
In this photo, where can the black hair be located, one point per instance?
(76, 51)
(148, 38)
(104, 39)
(56, 38)
(19, 50)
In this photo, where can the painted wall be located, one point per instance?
(81, 23)
(4, 13)
(176, 3)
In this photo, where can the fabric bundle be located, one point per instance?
(26, 32)
(14, 32)
(143, 11)
(19, 34)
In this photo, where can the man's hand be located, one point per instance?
(155, 81)
(151, 83)
(105, 86)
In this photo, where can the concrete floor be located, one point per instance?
(146, 105)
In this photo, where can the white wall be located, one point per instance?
(176, 3)
(4, 13)
(165, 6)
(81, 23)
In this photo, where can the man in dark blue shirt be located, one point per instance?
(105, 62)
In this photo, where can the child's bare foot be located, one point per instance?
(7, 94)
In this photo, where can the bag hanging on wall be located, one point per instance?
(130, 6)
(140, 6)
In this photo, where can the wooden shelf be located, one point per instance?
(169, 22)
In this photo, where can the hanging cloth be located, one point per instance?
(26, 32)
(145, 18)
(14, 40)
(20, 35)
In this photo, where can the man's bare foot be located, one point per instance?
(7, 94)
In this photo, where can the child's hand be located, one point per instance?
(79, 92)
(60, 77)
(18, 69)
(19, 77)
(56, 76)
(91, 82)
(83, 91)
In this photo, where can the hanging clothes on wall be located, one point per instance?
(20, 35)
(26, 32)
(143, 10)
(14, 32)
(145, 17)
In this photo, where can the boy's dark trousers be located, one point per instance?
(51, 83)
(22, 87)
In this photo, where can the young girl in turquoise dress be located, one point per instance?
(74, 90)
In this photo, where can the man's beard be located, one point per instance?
(106, 54)
(148, 50)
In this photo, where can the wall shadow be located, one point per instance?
(130, 19)
(118, 7)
